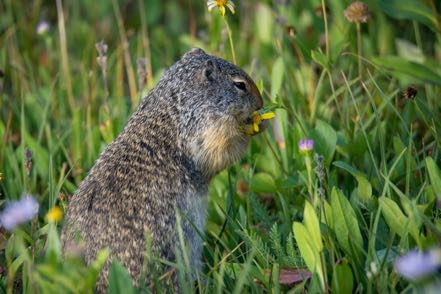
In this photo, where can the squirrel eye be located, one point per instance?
(240, 85)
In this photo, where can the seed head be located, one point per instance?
(410, 93)
(357, 12)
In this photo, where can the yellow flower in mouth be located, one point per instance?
(221, 5)
(55, 214)
(256, 119)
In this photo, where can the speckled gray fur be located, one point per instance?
(184, 132)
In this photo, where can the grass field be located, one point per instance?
(359, 212)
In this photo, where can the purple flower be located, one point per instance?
(416, 264)
(42, 27)
(18, 212)
(306, 145)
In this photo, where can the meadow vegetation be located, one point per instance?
(341, 194)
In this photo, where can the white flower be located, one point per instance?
(19, 212)
(416, 264)
(42, 27)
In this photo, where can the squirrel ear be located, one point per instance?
(209, 70)
(194, 52)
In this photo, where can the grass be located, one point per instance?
(340, 215)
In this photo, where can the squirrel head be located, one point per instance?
(214, 101)
(218, 100)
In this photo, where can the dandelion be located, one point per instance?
(306, 146)
(42, 27)
(19, 212)
(221, 5)
(54, 214)
(357, 12)
(416, 264)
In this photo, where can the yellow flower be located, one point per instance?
(221, 5)
(54, 214)
(1, 177)
(257, 118)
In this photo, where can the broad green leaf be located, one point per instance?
(364, 188)
(305, 244)
(326, 139)
(263, 183)
(342, 279)
(53, 242)
(410, 9)
(328, 214)
(120, 281)
(320, 58)
(434, 175)
(345, 221)
(413, 69)
(409, 224)
(277, 75)
(312, 224)
(395, 218)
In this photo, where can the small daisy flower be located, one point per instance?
(54, 214)
(415, 264)
(42, 27)
(306, 146)
(18, 212)
(221, 5)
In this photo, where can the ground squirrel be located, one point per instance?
(186, 130)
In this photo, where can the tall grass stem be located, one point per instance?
(230, 38)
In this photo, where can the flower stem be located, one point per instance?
(308, 164)
(325, 18)
(230, 38)
(274, 154)
(359, 48)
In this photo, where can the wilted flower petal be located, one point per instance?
(19, 212)
(416, 264)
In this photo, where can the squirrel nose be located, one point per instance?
(256, 95)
